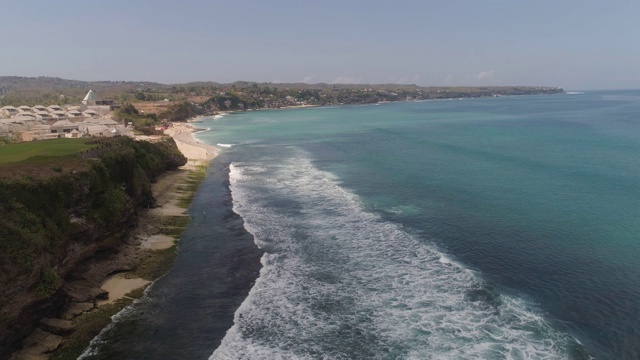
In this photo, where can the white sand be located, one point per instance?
(117, 286)
(182, 133)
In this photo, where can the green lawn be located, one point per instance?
(55, 147)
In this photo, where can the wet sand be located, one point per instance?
(118, 285)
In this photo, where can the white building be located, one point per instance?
(90, 98)
(8, 111)
(109, 123)
(97, 130)
(73, 113)
(63, 126)
(58, 114)
(43, 114)
(89, 113)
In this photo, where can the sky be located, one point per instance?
(574, 44)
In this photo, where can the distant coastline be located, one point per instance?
(178, 102)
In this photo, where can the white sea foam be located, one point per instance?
(338, 282)
(123, 315)
(446, 259)
(404, 209)
(225, 145)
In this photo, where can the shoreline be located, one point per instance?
(147, 253)
(194, 150)
(197, 154)
(217, 266)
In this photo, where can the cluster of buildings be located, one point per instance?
(26, 123)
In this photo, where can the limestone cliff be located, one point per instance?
(58, 213)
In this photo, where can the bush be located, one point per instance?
(5, 141)
(140, 121)
(49, 283)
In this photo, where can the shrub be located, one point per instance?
(49, 283)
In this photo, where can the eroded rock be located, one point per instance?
(76, 309)
(57, 326)
(37, 345)
(84, 291)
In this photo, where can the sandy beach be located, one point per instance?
(182, 134)
(166, 196)
(118, 286)
(116, 275)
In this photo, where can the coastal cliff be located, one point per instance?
(59, 214)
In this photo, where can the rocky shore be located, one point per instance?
(107, 283)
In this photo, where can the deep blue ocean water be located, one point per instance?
(495, 228)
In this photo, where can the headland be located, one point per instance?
(103, 278)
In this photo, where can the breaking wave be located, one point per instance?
(339, 282)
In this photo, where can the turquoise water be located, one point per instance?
(477, 228)
(501, 228)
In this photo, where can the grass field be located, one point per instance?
(55, 147)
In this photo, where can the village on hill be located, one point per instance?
(91, 118)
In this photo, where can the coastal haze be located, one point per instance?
(571, 44)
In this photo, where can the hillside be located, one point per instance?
(240, 95)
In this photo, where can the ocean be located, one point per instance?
(491, 228)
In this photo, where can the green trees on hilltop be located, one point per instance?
(143, 122)
(181, 111)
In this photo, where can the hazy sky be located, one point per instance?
(576, 44)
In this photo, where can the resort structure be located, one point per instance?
(90, 119)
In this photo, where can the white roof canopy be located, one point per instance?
(91, 96)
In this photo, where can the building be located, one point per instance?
(109, 123)
(58, 114)
(90, 113)
(90, 98)
(98, 131)
(25, 118)
(63, 126)
(8, 111)
(43, 114)
(73, 134)
(73, 113)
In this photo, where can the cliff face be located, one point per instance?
(50, 224)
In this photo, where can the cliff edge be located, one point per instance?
(59, 213)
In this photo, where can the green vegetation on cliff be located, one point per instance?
(41, 214)
(182, 111)
(51, 220)
(142, 122)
